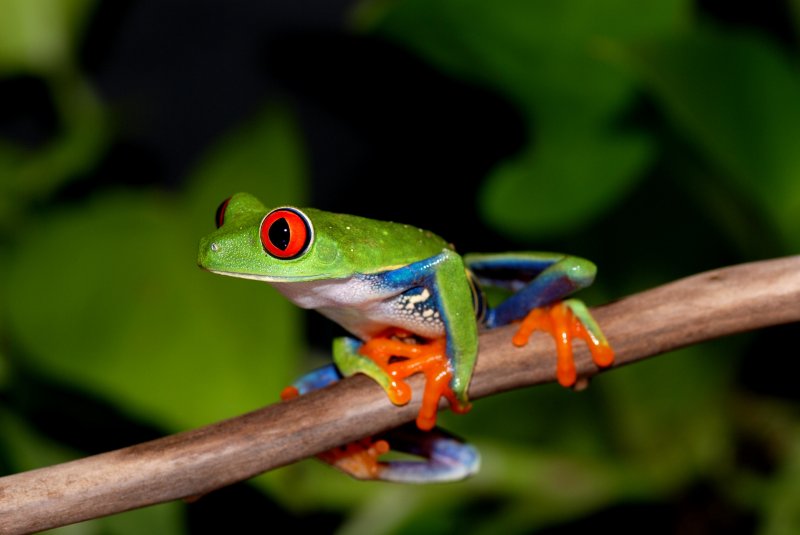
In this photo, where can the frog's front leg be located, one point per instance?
(395, 355)
(350, 361)
(430, 328)
(541, 281)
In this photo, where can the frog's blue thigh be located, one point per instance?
(447, 458)
(316, 379)
(346, 362)
(553, 284)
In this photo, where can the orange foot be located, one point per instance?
(359, 459)
(400, 354)
(563, 325)
(290, 392)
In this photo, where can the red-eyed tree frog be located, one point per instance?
(413, 304)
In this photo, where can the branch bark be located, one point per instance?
(701, 307)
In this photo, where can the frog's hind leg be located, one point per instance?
(540, 282)
(313, 380)
(445, 458)
(537, 279)
(360, 458)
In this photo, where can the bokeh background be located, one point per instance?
(658, 139)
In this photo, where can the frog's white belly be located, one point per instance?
(365, 307)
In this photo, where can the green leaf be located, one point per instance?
(558, 185)
(550, 59)
(24, 449)
(734, 96)
(533, 50)
(669, 413)
(782, 516)
(39, 38)
(32, 173)
(40, 35)
(164, 518)
(107, 296)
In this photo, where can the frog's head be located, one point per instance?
(270, 245)
(290, 244)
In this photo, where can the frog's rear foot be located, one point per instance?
(445, 458)
(565, 321)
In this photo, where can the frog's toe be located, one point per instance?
(565, 321)
(400, 355)
(358, 459)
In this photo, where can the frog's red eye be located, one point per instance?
(286, 233)
(219, 217)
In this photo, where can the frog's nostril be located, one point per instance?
(215, 247)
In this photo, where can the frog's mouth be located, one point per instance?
(265, 278)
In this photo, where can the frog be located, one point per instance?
(410, 304)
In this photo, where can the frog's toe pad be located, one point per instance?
(358, 459)
(290, 392)
(401, 356)
(565, 324)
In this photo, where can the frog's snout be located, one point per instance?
(207, 251)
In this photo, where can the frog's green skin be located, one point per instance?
(365, 275)
(370, 275)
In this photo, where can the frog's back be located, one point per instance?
(363, 245)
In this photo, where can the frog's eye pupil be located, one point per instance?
(279, 234)
(286, 233)
(219, 217)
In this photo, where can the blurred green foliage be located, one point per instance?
(659, 142)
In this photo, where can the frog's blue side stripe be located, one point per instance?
(422, 274)
(413, 274)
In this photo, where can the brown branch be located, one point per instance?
(688, 311)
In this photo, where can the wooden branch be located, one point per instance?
(192, 463)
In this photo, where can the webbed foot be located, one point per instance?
(358, 459)
(565, 321)
(400, 355)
